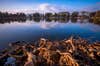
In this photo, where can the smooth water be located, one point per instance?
(30, 30)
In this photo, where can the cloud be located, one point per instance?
(45, 7)
(47, 25)
(41, 8)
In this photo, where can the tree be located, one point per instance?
(48, 15)
(75, 14)
(63, 14)
(36, 15)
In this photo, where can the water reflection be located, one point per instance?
(62, 20)
(55, 29)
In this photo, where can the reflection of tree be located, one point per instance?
(74, 17)
(37, 19)
(74, 20)
(48, 20)
(8, 17)
(63, 20)
(49, 17)
(30, 17)
(93, 17)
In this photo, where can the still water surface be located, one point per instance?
(30, 30)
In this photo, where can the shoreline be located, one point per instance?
(65, 52)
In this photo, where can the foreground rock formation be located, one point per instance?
(68, 52)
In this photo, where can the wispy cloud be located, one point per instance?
(46, 7)
(41, 8)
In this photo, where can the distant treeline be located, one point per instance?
(93, 16)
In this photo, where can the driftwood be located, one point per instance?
(79, 53)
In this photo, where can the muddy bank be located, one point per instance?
(68, 52)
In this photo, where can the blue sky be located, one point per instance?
(29, 4)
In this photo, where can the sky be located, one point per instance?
(30, 5)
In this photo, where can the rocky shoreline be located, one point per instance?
(68, 52)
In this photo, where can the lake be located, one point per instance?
(31, 30)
